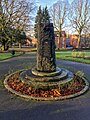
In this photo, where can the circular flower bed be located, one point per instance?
(73, 87)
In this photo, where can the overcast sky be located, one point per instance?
(43, 3)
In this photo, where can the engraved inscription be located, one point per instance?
(46, 49)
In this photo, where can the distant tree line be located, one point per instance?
(16, 17)
(75, 17)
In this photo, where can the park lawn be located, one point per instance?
(67, 55)
(4, 56)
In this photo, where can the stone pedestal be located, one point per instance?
(46, 49)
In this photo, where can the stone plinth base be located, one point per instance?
(16, 86)
(44, 74)
(53, 79)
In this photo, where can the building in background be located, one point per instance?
(74, 40)
(34, 41)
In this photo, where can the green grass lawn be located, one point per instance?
(64, 55)
(4, 56)
(67, 55)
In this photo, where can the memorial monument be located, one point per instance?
(46, 49)
(45, 77)
(45, 74)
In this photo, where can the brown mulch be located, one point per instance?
(74, 87)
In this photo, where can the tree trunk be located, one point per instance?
(20, 45)
(4, 48)
(79, 40)
(59, 41)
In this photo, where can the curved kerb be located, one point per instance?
(43, 98)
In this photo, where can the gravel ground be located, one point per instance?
(16, 108)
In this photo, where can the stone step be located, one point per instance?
(27, 76)
(52, 84)
(56, 83)
(46, 74)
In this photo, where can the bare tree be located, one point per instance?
(79, 16)
(18, 12)
(58, 14)
(16, 16)
(86, 33)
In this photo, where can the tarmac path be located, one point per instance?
(16, 108)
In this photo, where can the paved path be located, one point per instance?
(15, 108)
(74, 67)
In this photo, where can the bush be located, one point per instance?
(78, 54)
(2, 48)
(80, 74)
